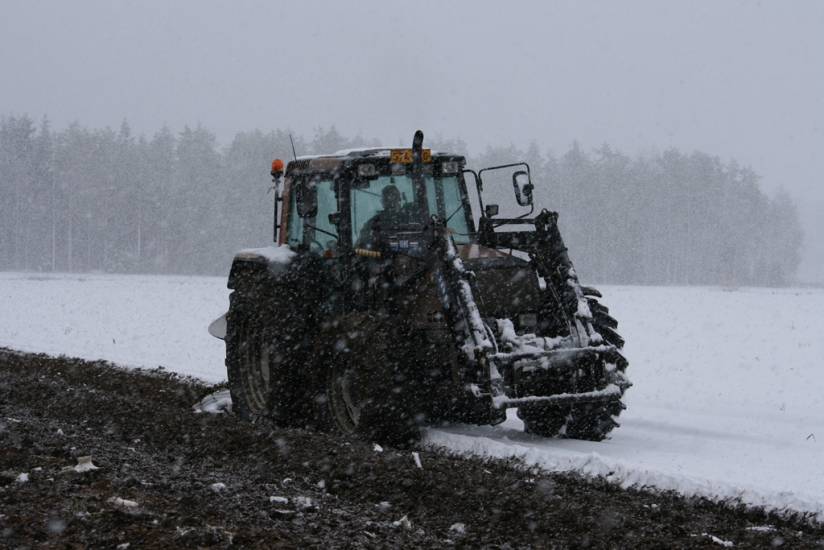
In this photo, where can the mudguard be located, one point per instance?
(259, 263)
(217, 328)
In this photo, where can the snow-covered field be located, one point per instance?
(133, 320)
(728, 399)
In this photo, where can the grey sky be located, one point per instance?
(737, 79)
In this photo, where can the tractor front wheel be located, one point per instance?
(542, 420)
(591, 421)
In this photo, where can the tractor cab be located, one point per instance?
(372, 200)
(366, 201)
(359, 208)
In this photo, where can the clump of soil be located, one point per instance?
(166, 477)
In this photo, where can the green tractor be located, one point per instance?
(385, 306)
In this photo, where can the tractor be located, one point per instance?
(386, 305)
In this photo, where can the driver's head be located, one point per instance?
(391, 198)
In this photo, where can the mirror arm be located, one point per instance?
(531, 210)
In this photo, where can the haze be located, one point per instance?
(740, 80)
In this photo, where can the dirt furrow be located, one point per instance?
(167, 477)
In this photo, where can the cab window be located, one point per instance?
(315, 232)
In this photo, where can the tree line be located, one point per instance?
(83, 199)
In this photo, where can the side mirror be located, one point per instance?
(523, 188)
(491, 210)
(334, 218)
(306, 199)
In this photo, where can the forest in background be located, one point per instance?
(82, 199)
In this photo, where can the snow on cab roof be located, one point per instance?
(376, 151)
(381, 150)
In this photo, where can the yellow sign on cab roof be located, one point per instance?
(404, 156)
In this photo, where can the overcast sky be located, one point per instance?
(741, 80)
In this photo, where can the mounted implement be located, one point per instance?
(385, 306)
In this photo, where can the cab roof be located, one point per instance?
(361, 152)
(332, 162)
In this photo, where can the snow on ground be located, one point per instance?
(134, 320)
(728, 399)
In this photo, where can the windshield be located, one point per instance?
(445, 199)
(389, 201)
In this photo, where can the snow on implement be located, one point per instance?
(385, 307)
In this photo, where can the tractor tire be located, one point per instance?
(257, 364)
(542, 420)
(361, 391)
(592, 421)
(248, 365)
(343, 399)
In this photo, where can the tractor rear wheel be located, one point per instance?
(248, 362)
(345, 400)
(261, 363)
(362, 389)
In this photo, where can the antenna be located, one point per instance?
(294, 154)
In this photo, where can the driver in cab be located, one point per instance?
(391, 215)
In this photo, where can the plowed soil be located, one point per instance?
(169, 478)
